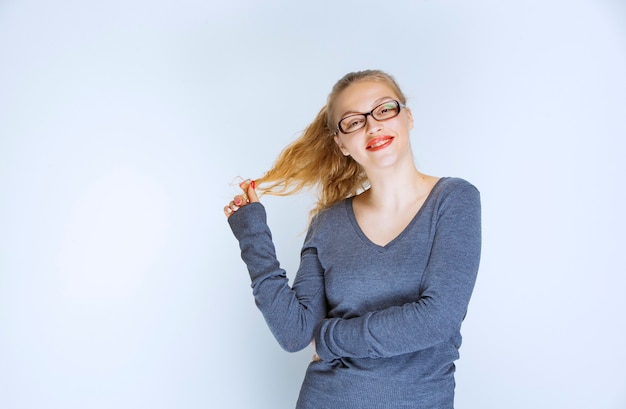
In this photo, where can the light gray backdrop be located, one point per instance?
(123, 123)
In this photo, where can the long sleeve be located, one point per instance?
(292, 314)
(445, 291)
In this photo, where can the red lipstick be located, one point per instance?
(379, 143)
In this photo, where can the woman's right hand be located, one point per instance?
(248, 196)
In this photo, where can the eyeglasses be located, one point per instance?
(386, 110)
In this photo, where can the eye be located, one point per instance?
(352, 123)
(355, 122)
(386, 110)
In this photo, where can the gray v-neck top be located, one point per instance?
(386, 319)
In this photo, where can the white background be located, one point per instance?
(123, 124)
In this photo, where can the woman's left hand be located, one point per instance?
(316, 357)
(249, 196)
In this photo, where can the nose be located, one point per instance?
(372, 125)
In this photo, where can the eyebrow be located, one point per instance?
(374, 104)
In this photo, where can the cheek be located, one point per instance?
(410, 120)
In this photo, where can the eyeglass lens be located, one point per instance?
(382, 112)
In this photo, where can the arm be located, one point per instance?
(446, 288)
(291, 313)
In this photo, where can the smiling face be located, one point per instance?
(380, 143)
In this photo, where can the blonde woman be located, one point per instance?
(388, 264)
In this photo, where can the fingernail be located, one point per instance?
(238, 201)
(253, 184)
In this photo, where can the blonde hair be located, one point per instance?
(315, 160)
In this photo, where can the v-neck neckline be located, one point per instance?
(357, 228)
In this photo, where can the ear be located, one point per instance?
(409, 115)
(341, 147)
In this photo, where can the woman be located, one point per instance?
(388, 264)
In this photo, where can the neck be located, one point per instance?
(393, 188)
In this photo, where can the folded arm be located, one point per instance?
(445, 292)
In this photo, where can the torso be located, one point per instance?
(360, 278)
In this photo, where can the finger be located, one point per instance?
(240, 200)
(248, 186)
(252, 196)
(228, 211)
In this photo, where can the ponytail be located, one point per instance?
(314, 160)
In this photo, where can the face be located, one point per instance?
(379, 143)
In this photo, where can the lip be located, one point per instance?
(379, 143)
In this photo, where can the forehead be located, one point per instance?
(362, 96)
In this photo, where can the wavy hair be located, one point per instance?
(315, 160)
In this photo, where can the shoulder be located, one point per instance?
(327, 220)
(333, 213)
(451, 183)
(455, 191)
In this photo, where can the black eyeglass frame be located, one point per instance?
(371, 113)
